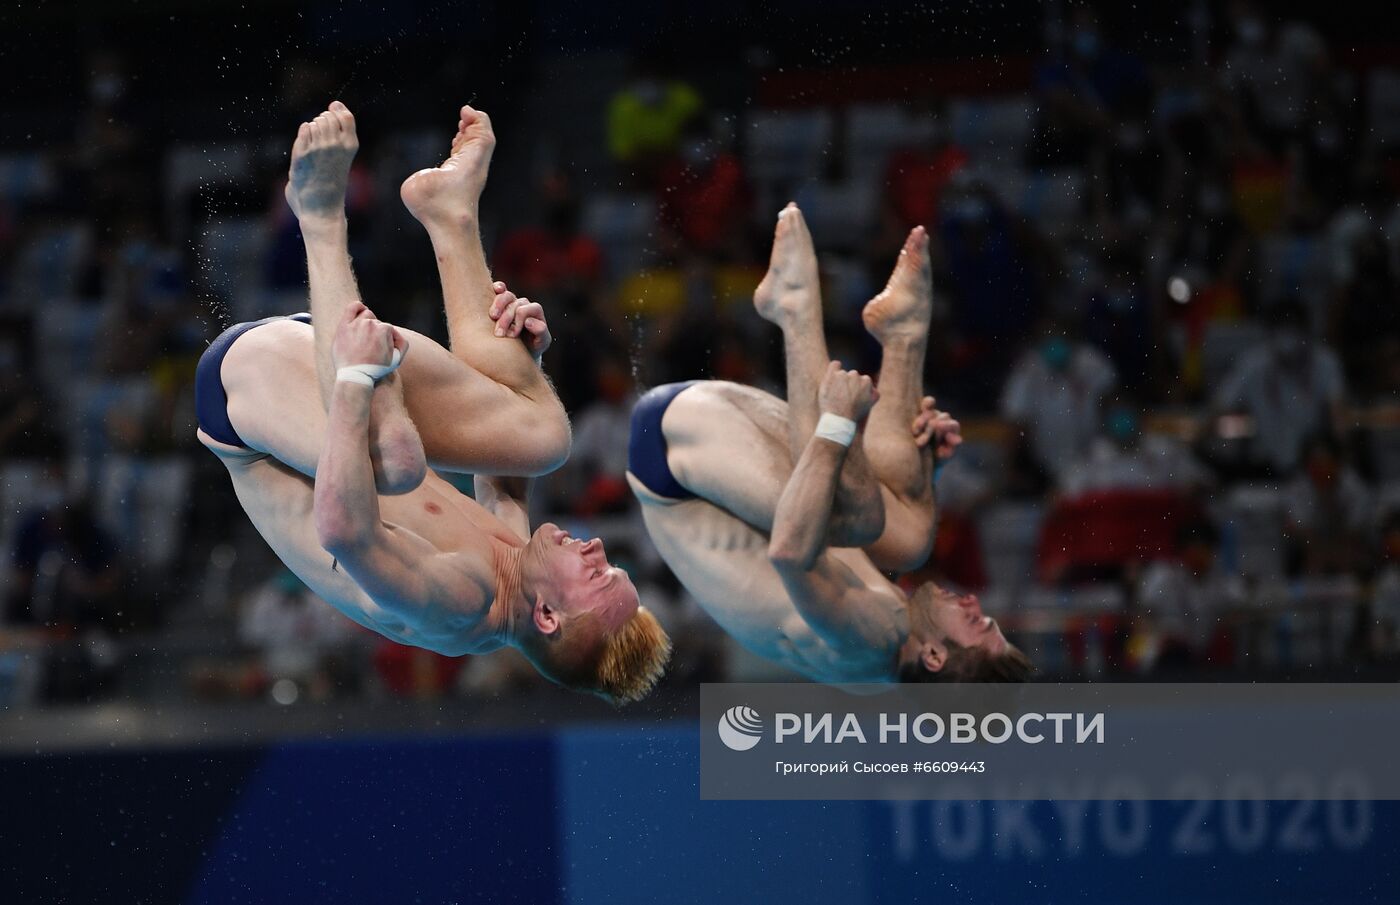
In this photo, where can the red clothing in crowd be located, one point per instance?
(534, 258)
(705, 208)
(916, 180)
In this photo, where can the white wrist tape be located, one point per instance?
(368, 375)
(836, 429)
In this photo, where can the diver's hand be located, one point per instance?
(520, 317)
(849, 394)
(934, 426)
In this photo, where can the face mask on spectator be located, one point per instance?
(1122, 426)
(288, 584)
(1055, 350)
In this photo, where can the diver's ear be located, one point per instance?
(933, 655)
(545, 617)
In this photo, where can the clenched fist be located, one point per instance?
(846, 393)
(363, 339)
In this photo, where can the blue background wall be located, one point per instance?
(612, 815)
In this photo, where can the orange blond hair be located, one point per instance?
(633, 660)
(621, 666)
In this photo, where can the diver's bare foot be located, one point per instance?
(791, 287)
(321, 157)
(903, 309)
(448, 194)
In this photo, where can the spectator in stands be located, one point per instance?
(554, 259)
(696, 336)
(24, 428)
(1120, 320)
(1053, 398)
(596, 473)
(284, 259)
(132, 333)
(1260, 182)
(504, 672)
(649, 115)
(995, 299)
(1180, 604)
(419, 673)
(1222, 159)
(66, 577)
(1292, 388)
(1330, 512)
(298, 636)
(1366, 316)
(703, 197)
(1086, 87)
(67, 572)
(1274, 71)
(1382, 631)
(1208, 251)
(914, 182)
(1123, 457)
(559, 266)
(111, 169)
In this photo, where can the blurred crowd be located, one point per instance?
(1167, 314)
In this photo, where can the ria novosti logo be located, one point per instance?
(740, 728)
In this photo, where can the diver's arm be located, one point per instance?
(830, 597)
(804, 509)
(399, 570)
(803, 514)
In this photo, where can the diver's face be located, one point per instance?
(959, 618)
(581, 577)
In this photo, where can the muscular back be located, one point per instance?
(723, 563)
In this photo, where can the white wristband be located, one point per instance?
(368, 375)
(836, 429)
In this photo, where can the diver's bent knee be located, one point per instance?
(545, 441)
(894, 552)
(555, 446)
